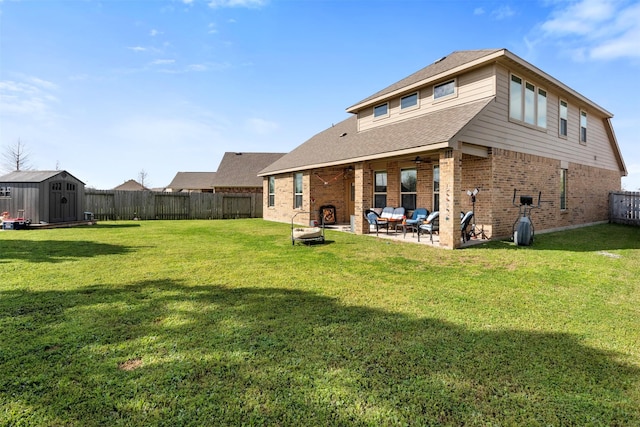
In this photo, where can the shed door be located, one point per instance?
(62, 201)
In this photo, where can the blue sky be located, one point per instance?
(107, 89)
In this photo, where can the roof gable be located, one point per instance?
(241, 169)
(131, 185)
(192, 181)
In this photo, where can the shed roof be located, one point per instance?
(34, 176)
(241, 169)
(342, 143)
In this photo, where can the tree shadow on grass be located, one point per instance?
(56, 250)
(161, 353)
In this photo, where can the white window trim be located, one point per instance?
(269, 193)
(412, 107)
(382, 116)
(536, 89)
(586, 127)
(560, 101)
(386, 193)
(563, 186)
(301, 193)
(448, 96)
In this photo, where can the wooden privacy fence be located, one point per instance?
(624, 207)
(116, 205)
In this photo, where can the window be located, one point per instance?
(526, 103)
(542, 109)
(5, 191)
(563, 189)
(380, 190)
(381, 110)
(529, 103)
(515, 98)
(563, 113)
(272, 191)
(408, 188)
(436, 188)
(297, 190)
(409, 101)
(444, 89)
(583, 126)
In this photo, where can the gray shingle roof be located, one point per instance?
(33, 176)
(329, 147)
(241, 169)
(192, 181)
(448, 63)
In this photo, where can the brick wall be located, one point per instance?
(587, 191)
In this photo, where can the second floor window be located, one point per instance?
(272, 191)
(526, 103)
(380, 189)
(5, 191)
(381, 110)
(408, 188)
(444, 89)
(297, 190)
(563, 113)
(409, 101)
(583, 126)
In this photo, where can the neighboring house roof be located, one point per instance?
(241, 169)
(192, 181)
(131, 185)
(342, 142)
(34, 176)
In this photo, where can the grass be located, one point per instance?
(226, 323)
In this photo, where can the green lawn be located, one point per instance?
(226, 323)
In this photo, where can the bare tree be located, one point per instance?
(16, 157)
(143, 178)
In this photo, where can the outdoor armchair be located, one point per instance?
(418, 217)
(375, 220)
(430, 225)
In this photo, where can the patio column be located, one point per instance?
(450, 197)
(363, 189)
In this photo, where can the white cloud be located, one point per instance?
(261, 126)
(137, 48)
(154, 32)
(212, 29)
(31, 98)
(596, 29)
(478, 11)
(163, 62)
(237, 3)
(581, 18)
(503, 12)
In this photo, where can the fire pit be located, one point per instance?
(328, 214)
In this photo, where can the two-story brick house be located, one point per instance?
(482, 119)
